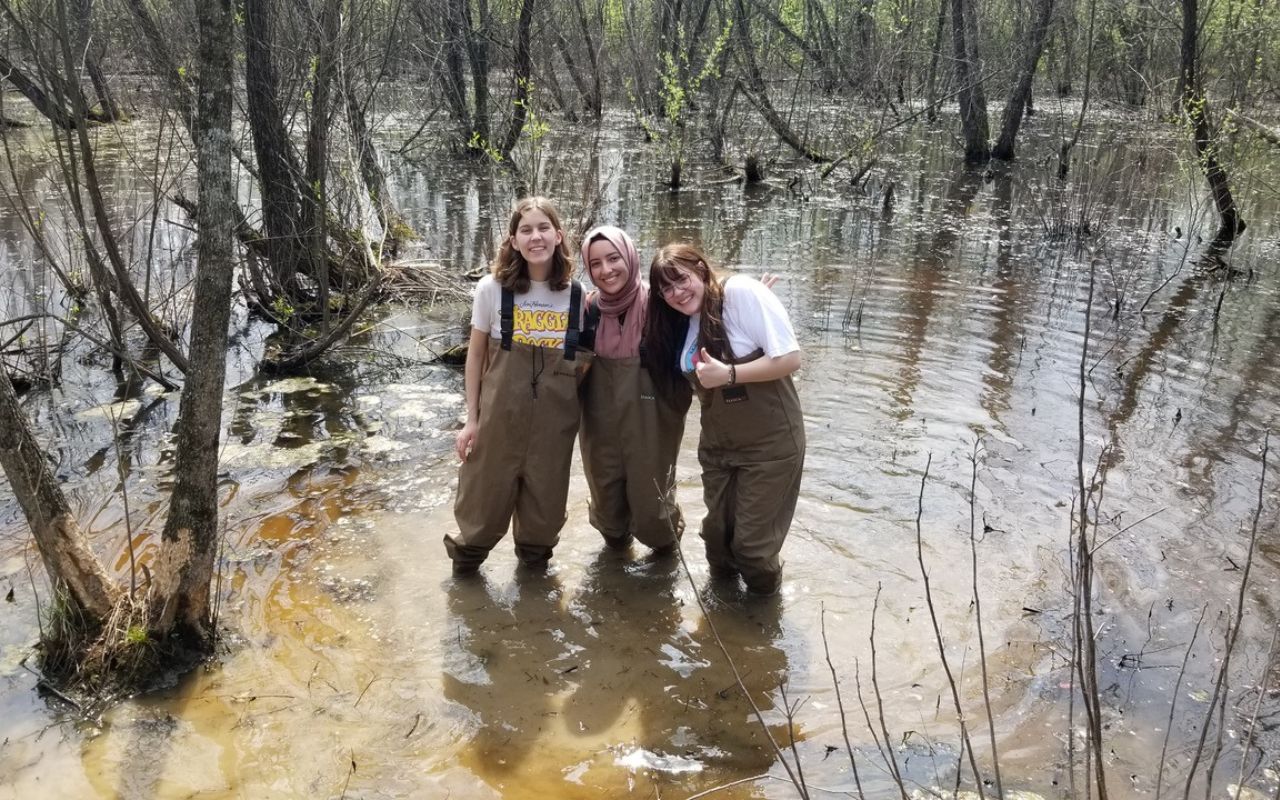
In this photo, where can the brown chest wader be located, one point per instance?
(630, 441)
(518, 472)
(752, 456)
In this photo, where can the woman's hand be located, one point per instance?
(466, 441)
(770, 280)
(712, 373)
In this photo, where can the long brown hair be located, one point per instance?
(666, 328)
(509, 267)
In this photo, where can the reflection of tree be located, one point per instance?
(998, 379)
(677, 218)
(755, 197)
(1144, 362)
(1254, 386)
(927, 276)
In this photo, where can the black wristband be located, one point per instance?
(733, 374)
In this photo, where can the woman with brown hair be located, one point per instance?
(732, 338)
(524, 363)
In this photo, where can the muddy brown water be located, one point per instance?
(354, 665)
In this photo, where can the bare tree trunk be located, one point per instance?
(551, 76)
(523, 68)
(807, 46)
(478, 51)
(595, 100)
(931, 80)
(188, 548)
(1067, 28)
(564, 49)
(102, 88)
(1196, 107)
(864, 24)
(453, 42)
(84, 17)
(278, 164)
(315, 200)
(69, 562)
(1020, 96)
(393, 224)
(1064, 152)
(124, 283)
(163, 61)
(973, 103)
(644, 94)
(827, 41)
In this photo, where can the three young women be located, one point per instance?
(732, 339)
(524, 363)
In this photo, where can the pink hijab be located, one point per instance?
(616, 339)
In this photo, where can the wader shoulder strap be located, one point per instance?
(748, 358)
(588, 337)
(508, 319)
(573, 332)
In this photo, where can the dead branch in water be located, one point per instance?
(890, 759)
(835, 681)
(737, 677)
(937, 634)
(977, 609)
(1233, 632)
(1173, 703)
(1084, 641)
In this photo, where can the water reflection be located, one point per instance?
(928, 283)
(635, 650)
(613, 684)
(505, 660)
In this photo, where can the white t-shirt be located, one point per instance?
(754, 319)
(541, 314)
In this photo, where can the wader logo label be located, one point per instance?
(540, 326)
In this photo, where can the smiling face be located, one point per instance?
(683, 291)
(536, 238)
(607, 267)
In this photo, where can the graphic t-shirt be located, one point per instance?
(541, 314)
(754, 319)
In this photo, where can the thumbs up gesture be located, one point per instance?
(712, 373)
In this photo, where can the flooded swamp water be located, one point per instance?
(354, 665)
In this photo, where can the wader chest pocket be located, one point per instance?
(734, 394)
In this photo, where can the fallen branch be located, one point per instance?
(1263, 131)
(298, 357)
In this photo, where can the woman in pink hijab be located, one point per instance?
(630, 433)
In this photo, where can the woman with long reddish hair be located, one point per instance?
(733, 340)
